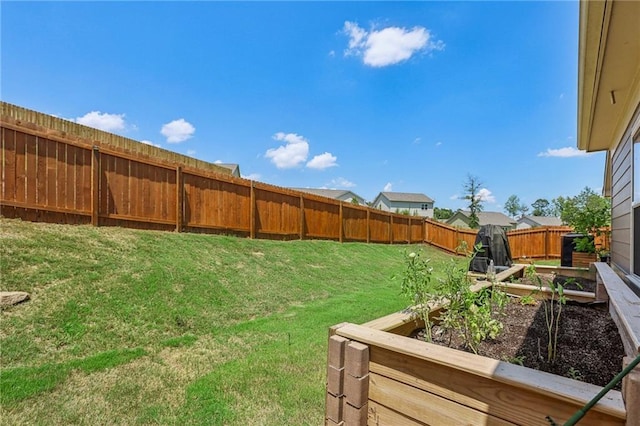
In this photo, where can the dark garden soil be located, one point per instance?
(589, 346)
(580, 284)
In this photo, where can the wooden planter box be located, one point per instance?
(377, 376)
(582, 260)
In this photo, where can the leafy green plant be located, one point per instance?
(518, 360)
(473, 315)
(589, 214)
(552, 310)
(417, 287)
(574, 374)
(527, 300)
(585, 244)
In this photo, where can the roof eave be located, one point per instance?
(608, 71)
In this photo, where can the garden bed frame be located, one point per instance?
(376, 375)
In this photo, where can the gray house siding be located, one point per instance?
(417, 204)
(622, 198)
(415, 209)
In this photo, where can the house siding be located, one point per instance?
(622, 197)
(526, 224)
(460, 223)
(415, 209)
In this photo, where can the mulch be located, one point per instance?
(589, 346)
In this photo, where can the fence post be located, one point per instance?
(390, 228)
(410, 229)
(301, 217)
(252, 212)
(546, 243)
(368, 225)
(423, 230)
(340, 231)
(179, 199)
(95, 186)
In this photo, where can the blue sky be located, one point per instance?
(365, 96)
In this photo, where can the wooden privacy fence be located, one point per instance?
(50, 175)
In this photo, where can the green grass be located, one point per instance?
(139, 327)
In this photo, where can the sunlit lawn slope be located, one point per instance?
(137, 327)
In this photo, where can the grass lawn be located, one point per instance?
(140, 327)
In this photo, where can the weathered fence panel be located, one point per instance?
(277, 214)
(136, 191)
(215, 205)
(43, 179)
(379, 227)
(321, 218)
(448, 238)
(537, 243)
(416, 229)
(400, 228)
(354, 223)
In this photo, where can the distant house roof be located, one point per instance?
(487, 218)
(406, 197)
(235, 168)
(543, 220)
(332, 193)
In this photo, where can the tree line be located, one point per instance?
(586, 211)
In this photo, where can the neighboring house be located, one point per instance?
(338, 194)
(461, 219)
(609, 117)
(235, 168)
(416, 204)
(526, 222)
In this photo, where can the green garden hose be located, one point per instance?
(583, 411)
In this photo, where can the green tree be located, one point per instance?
(541, 207)
(588, 213)
(442, 213)
(557, 206)
(472, 195)
(514, 207)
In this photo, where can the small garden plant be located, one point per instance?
(552, 309)
(474, 316)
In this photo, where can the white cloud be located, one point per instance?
(146, 142)
(217, 162)
(390, 45)
(177, 131)
(103, 121)
(438, 143)
(252, 176)
(341, 183)
(485, 195)
(322, 161)
(290, 155)
(388, 187)
(417, 141)
(191, 152)
(566, 152)
(332, 53)
(454, 197)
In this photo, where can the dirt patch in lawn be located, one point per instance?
(589, 347)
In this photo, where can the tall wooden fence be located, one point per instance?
(49, 176)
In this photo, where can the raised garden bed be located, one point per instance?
(378, 375)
